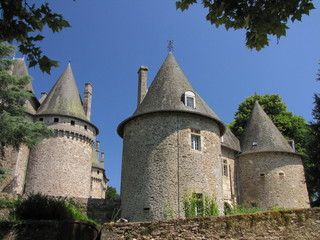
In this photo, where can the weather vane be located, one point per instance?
(170, 45)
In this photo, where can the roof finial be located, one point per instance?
(69, 61)
(170, 46)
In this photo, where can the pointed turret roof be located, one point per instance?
(166, 92)
(64, 98)
(261, 135)
(20, 69)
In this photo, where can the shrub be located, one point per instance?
(197, 205)
(238, 209)
(42, 207)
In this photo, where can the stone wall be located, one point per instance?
(272, 180)
(229, 179)
(66, 172)
(159, 165)
(278, 225)
(15, 161)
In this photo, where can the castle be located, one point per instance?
(68, 163)
(174, 144)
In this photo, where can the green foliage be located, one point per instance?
(196, 205)
(42, 207)
(3, 173)
(313, 161)
(238, 209)
(291, 126)
(167, 210)
(23, 23)
(111, 193)
(260, 18)
(15, 128)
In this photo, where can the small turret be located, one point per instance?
(271, 174)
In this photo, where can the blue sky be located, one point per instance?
(109, 40)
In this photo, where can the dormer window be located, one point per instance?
(189, 99)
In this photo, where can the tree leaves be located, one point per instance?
(23, 23)
(291, 126)
(14, 127)
(260, 18)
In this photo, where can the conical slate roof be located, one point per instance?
(261, 135)
(165, 93)
(64, 98)
(231, 141)
(20, 69)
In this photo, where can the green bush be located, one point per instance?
(238, 209)
(198, 205)
(42, 207)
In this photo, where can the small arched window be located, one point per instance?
(189, 99)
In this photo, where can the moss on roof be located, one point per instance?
(166, 92)
(64, 98)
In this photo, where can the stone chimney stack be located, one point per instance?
(102, 159)
(98, 146)
(43, 97)
(87, 100)
(142, 83)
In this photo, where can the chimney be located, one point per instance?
(43, 97)
(142, 83)
(102, 159)
(97, 146)
(87, 100)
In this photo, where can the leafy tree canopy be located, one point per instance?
(23, 23)
(291, 126)
(111, 193)
(313, 150)
(260, 18)
(15, 129)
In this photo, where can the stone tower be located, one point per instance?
(171, 147)
(270, 173)
(61, 165)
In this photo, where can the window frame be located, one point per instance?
(188, 95)
(195, 137)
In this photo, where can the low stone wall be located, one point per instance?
(291, 224)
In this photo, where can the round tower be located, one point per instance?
(270, 173)
(61, 164)
(171, 148)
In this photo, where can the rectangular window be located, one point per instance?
(195, 139)
(195, 142)
(56, 119)
(198, 197)
(72, 122)
(190, 102)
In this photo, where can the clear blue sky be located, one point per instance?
(109, 40)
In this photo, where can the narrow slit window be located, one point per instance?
(225, 168)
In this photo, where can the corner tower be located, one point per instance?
(171, 147)
(61, 165)
(271, 174)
